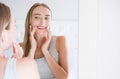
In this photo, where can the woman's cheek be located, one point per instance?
(34, 23)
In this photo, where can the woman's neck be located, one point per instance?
(39, 42)
(40, 39)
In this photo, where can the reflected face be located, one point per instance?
(11, 31)
(41, 18)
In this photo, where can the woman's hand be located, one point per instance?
(33, 42)
(47, 39)
(32, 38)
(17, 51)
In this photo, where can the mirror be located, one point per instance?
(64, 22)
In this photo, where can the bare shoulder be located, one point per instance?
(60, 39)
(60, 43)
(26, 62)
(27, 65)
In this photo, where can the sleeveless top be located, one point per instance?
(44, 70)
(10, 70)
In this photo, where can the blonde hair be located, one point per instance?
(5, 17)
(26, 41)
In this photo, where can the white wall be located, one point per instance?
(108, 54)
(65, 22)
(88, 38)
(99, 39)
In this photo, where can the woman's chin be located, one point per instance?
(41, 33)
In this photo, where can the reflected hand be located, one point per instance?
(32, 38)
(17, 51)
(47, 39)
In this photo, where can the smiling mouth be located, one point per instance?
(41, 28)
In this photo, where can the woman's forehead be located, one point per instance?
(41, 10)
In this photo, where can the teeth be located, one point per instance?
(41, 27)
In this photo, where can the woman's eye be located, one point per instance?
(37, 17)
(46, 18)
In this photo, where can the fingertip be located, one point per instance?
(48, 27)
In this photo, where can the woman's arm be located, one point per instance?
(59, 70)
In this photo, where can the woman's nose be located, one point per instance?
(42, 22)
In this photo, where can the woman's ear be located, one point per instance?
(4, 35)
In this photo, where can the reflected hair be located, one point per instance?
(26, 41)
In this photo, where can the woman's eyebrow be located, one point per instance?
(40, 14)
(36, 14)
(47, 15)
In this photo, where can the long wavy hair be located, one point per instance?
(26, 41)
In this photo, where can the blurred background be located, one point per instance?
(64, 22)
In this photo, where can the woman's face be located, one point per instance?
(41, 18)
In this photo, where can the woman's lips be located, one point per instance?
(41, 28)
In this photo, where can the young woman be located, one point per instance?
(49, 51)
(12, 68)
